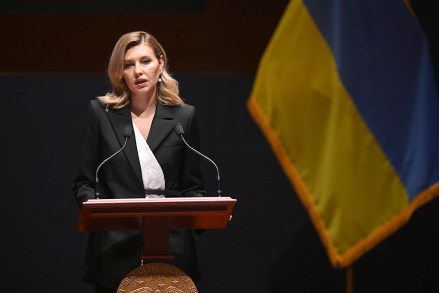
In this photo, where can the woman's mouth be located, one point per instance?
(140, 82)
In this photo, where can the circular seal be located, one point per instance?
(157, 278)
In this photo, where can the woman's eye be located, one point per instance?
(127, 65)
(146, 61)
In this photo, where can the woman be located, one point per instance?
(146, 97)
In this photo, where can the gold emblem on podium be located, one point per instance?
(157, 278)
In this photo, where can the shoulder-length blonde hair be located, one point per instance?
(167, 89)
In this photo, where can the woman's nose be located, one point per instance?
(137, 69)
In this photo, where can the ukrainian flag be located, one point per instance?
(345, 94)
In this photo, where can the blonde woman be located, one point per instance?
(154, 162)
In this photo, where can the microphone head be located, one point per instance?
(179, 129)
(127, 131)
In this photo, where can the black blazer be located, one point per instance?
(113, 254)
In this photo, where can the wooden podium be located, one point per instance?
(155, 217)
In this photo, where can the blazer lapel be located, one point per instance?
(162, 125)
(119, 118)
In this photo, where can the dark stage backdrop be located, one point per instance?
(270, 246)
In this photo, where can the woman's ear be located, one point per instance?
(161, 62)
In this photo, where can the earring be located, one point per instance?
(160, 78)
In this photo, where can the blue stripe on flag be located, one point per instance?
(383, 60)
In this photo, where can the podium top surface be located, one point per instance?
(158, 200)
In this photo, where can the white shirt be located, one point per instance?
(152, 173)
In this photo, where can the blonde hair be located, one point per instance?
(167, 89)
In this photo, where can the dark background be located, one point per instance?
(52, 61)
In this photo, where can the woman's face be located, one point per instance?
(142, 69)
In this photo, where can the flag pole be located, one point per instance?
(350, 279)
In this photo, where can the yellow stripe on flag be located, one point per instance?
(341, 175)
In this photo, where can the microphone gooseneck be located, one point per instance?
(127, 132)
(180, 132)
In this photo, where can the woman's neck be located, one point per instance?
(142, 105)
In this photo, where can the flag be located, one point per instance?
(346, 96)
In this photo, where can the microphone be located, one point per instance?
(180, 132)
(127, 132)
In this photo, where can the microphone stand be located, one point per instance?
(100, 165)
(207, 158)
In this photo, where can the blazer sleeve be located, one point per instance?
(84, 184)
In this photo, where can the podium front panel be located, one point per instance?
(181, 213)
